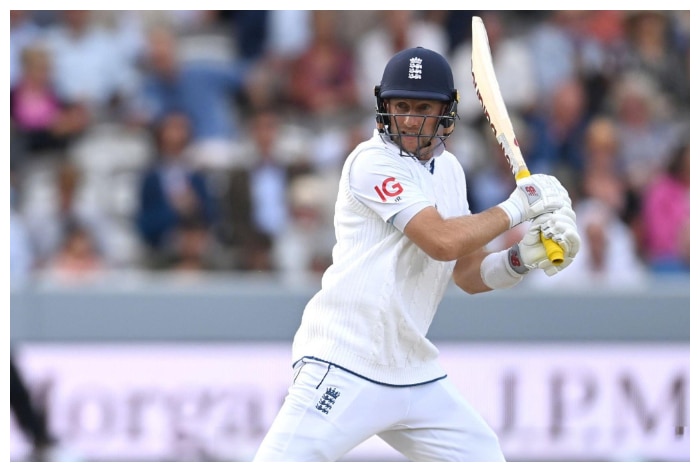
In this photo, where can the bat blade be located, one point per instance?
(489, 94)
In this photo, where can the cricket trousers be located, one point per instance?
(329, 411)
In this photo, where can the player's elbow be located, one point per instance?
(472, 288)
(443, 251)
(467, 273)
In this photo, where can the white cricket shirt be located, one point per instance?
(380, 295)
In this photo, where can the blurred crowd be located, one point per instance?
(212, 141)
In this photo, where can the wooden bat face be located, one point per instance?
(489, 95)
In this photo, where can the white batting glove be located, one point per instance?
(533, 196)
(530, 253)
(561, 228)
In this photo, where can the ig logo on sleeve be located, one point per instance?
(390, 188)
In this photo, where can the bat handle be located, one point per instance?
(554, 252)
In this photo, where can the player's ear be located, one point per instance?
(448, 122)
(381, 117)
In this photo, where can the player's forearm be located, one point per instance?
(452, 238)
(473, 232)
(466, 234)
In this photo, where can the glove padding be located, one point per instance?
(530, 253)
(533, 196)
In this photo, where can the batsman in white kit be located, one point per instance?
(362, 363)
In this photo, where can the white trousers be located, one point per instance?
(329, 411)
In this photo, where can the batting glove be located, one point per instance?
(530, 253)
(533, 196)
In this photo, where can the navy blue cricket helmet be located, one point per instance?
(417, 73)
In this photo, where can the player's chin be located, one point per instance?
(409, 142)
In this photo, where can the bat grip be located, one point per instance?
(554, 252)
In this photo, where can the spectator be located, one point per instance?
(322, 84)
(666, 216)
(172, 192)
(302, 252)
(205, 90)
(78, 260)
(89, 66)
(602, 173)
(649, 51)
(258, 189)
(288, 35)
(557, 132)
(646, 134)
(268, 177)
(193, 251)
(50, 196)
(41, 120)
(562, 50)
(256, 203)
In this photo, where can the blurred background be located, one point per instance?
(172, 182)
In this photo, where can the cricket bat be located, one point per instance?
(489, 94)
